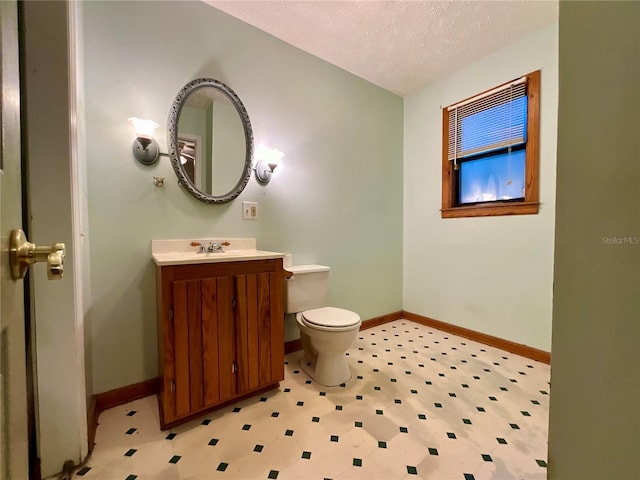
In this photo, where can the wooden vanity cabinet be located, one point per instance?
(220, 334)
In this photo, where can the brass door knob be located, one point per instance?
(23, 253)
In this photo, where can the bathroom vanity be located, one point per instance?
(220, 324)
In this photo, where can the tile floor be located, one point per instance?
(421, 404)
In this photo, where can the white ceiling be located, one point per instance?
(399, 45)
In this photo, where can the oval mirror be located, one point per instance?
(210, 141)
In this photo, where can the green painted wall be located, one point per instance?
(336, 199)
(493, 274)
(594, 428)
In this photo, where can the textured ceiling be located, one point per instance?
(398, 45)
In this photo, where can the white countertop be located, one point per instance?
(179, 258)
(181, 252)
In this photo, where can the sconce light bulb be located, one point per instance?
(144, 128)
(145, 148)
(267, 159)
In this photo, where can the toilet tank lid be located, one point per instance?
(307, 268)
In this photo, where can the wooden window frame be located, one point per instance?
(531, 203)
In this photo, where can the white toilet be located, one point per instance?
(326, 332)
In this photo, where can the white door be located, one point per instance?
(13, 396)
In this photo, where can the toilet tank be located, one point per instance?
(308, 288)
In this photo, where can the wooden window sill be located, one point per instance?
(490, 210)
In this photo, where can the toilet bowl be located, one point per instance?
(326, 332)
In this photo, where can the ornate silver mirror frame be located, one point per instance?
(174, 152)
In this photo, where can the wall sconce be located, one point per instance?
(267, 161)
(145, 148)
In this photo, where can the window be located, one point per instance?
(490, 151)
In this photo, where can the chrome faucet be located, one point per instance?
(214, 247)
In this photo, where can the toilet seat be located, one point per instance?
(330, 318)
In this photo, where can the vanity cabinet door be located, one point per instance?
(221, 344)
(204, 345)
(259, 326)
(185, 315)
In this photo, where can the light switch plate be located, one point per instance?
(249, 210)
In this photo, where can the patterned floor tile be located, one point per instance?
(421, 404)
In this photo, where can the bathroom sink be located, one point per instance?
(185, 252)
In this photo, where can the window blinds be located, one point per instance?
(490, 121)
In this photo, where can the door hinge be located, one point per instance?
(234, 367)
(233, 303)
(171, 313)
(172, 385)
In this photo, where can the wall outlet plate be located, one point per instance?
(249, 210)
